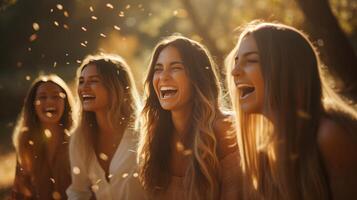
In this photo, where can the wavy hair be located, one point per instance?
(201, 177)
(124, 103)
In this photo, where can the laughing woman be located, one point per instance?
(297, 139)
(186, 150)
(41, 141)
(103, 148)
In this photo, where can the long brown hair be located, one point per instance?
(155, 147)
(123, 107)
(28, 137)
(280, 155)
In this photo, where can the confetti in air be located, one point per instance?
(52, 180)
(59, 6)
(76, 170)
(55, 23)
(103, 35)
(121, 14)
(83, 28)
(48, 114)
(125, 175)
(33, 37)
(94, 17)
(36, 26)
(110, 6)
(62, 95)
(65, 13)
(103, 156)
(48, 133)
(31, 142)
(135, 175)
(91, 8)
(28, 78)
(117, 27)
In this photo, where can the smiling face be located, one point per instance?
(49, 103)
(170, 80)
(248, 76)
(92, 92)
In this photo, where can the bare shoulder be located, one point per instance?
(337, 146)
(225, 135)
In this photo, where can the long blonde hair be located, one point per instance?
(124, 104)
(155, 146)
(281, 159)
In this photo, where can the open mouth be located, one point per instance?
(245, 90)
(50, 111)
(167, 92)
(87, 97)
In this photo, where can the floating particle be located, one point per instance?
(59, 6)
(48, 114)
(65, 26)
(52, 180)
(127, 7)
(36, 26)
(24, 129)
(33, 37)
(62, 95)
(83, 44)
(116, 27)
(179, 146)
(29, 49)
(91, 8)
(55, 23)
(66, 14)
(79, 61)
(48, 133)
(83, 28)
(94, 17)
(175, 12)
(125, 175)
(31, 142)
(109, 6)
(54, 64)
(121, 14)
(28, 78)
(103, 35)
(76, 170)
(51, 11)
(135, 175)
(103, 156)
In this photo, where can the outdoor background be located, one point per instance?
(46, 36)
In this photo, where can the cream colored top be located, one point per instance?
(229, 185)
(123, 181)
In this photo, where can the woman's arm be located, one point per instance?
(339, 153)
(22, 188)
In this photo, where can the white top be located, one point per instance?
(123, 179)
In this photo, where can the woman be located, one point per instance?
(102, 149)
(41, 141)
(294, 143)
(186, 148)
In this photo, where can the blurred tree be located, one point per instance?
(336, 50)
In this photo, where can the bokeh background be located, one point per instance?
(47, 36)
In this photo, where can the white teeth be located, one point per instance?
(240, 85)
(164, 88)
(87, 96)
(167, 91)
(50, 109)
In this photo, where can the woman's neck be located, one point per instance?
(180, 119)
